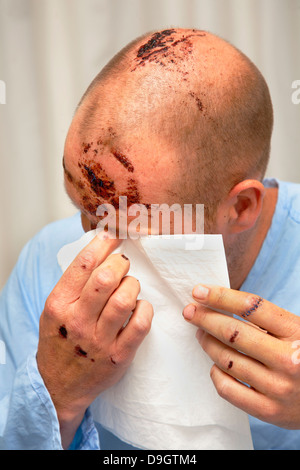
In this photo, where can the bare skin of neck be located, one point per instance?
(242, 253)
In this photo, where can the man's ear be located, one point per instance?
(243, 205)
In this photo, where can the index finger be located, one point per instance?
(89, 258)
(251, 307)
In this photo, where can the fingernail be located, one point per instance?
(189, 312)
(200, 292)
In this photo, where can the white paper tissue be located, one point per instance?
(166, 400)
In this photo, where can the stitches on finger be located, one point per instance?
(257, 301)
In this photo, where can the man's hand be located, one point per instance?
(263, 352)
(84, 347)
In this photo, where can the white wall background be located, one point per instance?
(50, 50)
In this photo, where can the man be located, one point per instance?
(178, 116)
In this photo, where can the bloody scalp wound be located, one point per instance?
(161, 48)
(157, 41)
(123, 160)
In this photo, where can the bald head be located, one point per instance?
(177, 116)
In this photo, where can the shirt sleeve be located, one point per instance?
(28, 418)
(32, 422)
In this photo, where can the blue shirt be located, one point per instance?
(28, 418)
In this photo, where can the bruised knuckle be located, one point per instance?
(224, 358)
(119, 360)
(87, 260)
(231, 332)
